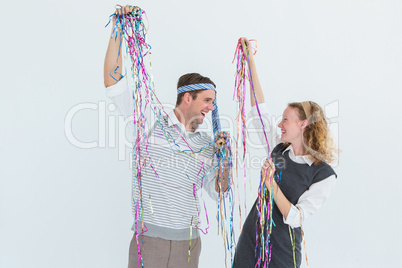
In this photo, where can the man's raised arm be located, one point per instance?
(112, 70)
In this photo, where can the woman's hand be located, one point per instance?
(268, 171)
(246, 47)
(256, 95)
(249, 52)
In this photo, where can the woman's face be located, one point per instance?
(291, 126)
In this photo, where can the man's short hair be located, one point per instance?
(191, 79)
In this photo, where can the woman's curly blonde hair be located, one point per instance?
(317, 137)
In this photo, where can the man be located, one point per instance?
(179, 161)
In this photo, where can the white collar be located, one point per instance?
(301, 159)
(173, 120)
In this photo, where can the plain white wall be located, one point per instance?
(63, 206)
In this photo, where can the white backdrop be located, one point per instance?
(64, 206)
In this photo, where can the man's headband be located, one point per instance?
(193, 87)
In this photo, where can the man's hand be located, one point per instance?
(113, 63)
(126, 9)
(221, 144)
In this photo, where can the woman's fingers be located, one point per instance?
(271, 164)
(268, 170)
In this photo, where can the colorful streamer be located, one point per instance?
(265, 198)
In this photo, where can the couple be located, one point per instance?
(169, 208)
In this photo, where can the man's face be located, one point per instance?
(200, 106)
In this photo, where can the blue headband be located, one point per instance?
(215, 116)
(192, 87)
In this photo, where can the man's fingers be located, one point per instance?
(126, 9)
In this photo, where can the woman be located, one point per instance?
(303, 179)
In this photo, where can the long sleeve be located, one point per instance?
(310, 201)
(122, 97)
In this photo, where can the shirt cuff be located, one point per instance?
(293, 218)
(117, 88)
